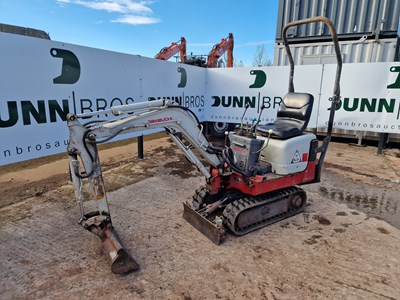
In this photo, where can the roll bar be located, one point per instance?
(335, 99)
(332, 29)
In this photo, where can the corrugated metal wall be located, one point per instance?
(352, 52)
(352, 18)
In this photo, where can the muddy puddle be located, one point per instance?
(380, 203)
(383, 206)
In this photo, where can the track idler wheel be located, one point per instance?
(297, 200)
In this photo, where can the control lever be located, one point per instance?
(241, 132)
(252, 129)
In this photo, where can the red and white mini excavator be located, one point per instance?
(249, 184)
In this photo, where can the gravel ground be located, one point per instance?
(344, 246)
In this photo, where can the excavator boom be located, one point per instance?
(85, 164)
(225, 45)
(175, 47)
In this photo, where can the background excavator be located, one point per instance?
(175, 47)
(225, 45)
(251, 182)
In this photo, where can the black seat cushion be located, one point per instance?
(292, 117)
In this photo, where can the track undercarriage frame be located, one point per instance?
(241, 213)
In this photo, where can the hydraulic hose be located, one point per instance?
(227, 157)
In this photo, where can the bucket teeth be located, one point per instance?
(212, 231)
(124, 263)
(121, 261)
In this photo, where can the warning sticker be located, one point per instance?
(296, 158)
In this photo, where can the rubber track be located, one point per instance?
(234, 209)
(199, 197)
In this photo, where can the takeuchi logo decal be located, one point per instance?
(259, 80)
(160, 120)
(396, 84)
(71, 68)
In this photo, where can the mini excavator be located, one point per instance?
(250, 183)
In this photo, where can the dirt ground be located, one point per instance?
(345, 245)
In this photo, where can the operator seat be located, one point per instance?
(292, 117)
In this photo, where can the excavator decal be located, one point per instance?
(296, 158)
(160, 120)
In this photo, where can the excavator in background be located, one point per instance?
(250, 183)
(225, 45)
(175, 47)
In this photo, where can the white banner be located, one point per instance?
(184, 84)
(42, 81)
(370, 97)
(229, 90)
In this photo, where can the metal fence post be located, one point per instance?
(382, 142)
(140, 146)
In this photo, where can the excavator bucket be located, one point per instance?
(121, 261)
(212, 231)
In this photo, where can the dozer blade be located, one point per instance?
(212, 231)
(121, 261)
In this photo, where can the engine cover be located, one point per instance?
(246, 152)
(287, 156)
